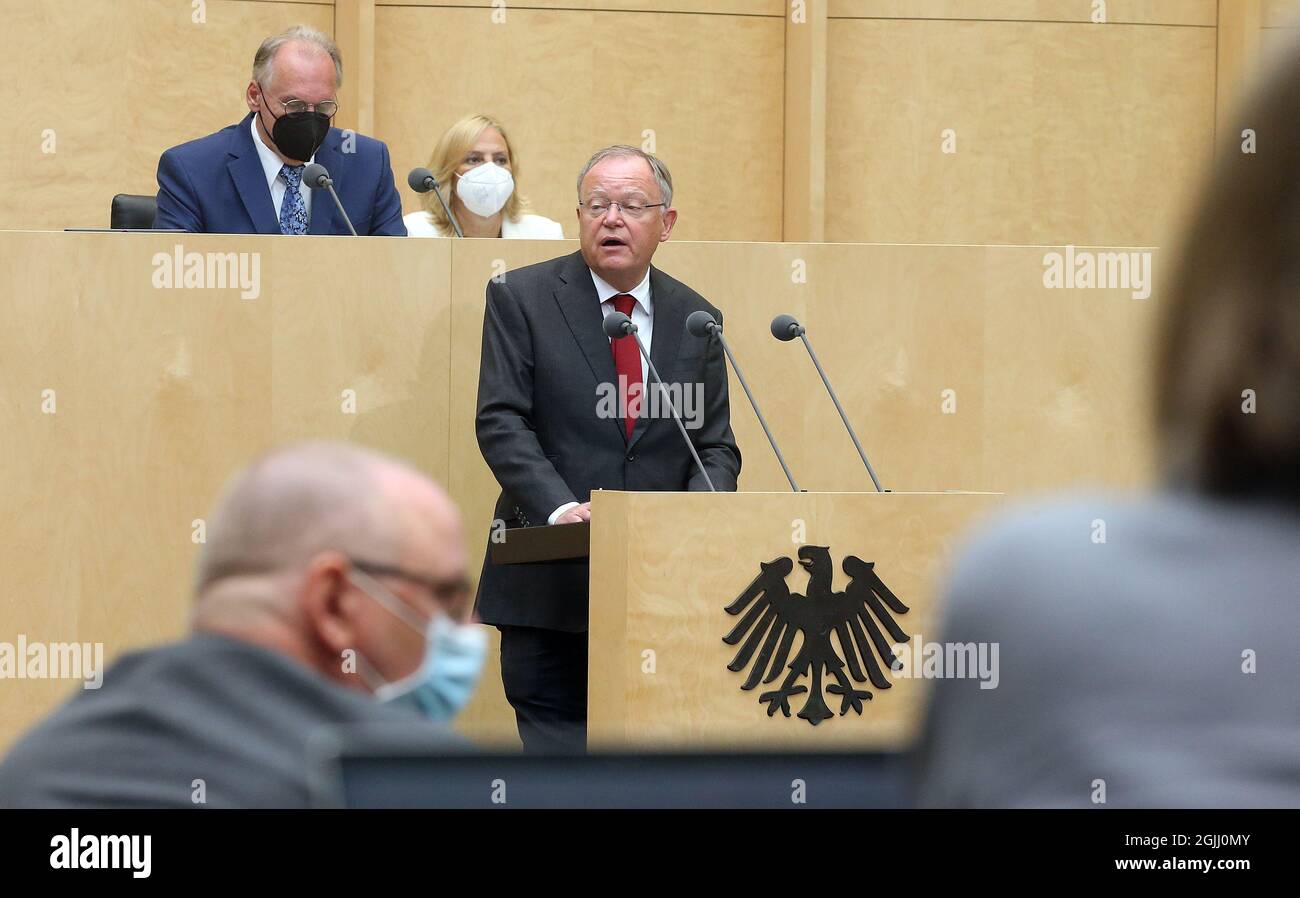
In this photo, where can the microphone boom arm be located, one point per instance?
(843, 416)
(726, 347)
(339, 203)
(676, 417)
(455, 225)
(316, 176)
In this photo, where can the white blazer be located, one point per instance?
(528, 227)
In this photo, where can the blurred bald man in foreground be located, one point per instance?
(331, 591)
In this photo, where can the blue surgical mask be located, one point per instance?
(453, 660)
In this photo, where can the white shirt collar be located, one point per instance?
(271, 163)
(641, 292)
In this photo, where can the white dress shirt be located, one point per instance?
(642, 313)
(642, 316)
(271, 164)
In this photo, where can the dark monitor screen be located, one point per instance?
(375, 776)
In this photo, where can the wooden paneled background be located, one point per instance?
(811, 120)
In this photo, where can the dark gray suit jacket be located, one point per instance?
(540, 430)
(234, 715)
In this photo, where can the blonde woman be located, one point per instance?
(475, 167)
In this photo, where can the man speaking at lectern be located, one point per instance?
(546, 428)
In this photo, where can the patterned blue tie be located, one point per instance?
(293, 211)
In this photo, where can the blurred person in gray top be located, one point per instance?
(331, 592)
(1160, 668)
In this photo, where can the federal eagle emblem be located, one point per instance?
(775, 616)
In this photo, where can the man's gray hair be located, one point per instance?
(662, 176)
(295, 501)
(264, 74)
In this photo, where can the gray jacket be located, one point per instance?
(233, 715)
(1125, 664)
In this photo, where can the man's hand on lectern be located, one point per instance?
(576, 514)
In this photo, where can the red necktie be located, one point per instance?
(627, 364)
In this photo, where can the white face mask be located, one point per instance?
(485, 189)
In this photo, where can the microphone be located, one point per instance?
(785, 328)
(421, 180)
(315, 176)
(701, 324)
(617, 326)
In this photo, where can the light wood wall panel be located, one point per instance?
(1255, 37)
(566, 82)
(1277, 43)
(715, 7)
(1133, 12)
(162, 394)
(354, 32)
(1277, 13)
(1279, 28)
(896, 326)
(805, 126)
(1237, 67)
(1065, 133)
(118, 82)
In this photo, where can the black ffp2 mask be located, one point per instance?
(298, 135)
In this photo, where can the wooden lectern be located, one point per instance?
(695, 595)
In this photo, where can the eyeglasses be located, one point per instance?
(598, 208)
(327, 108)
(447, 592)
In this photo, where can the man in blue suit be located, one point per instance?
(247, 178)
